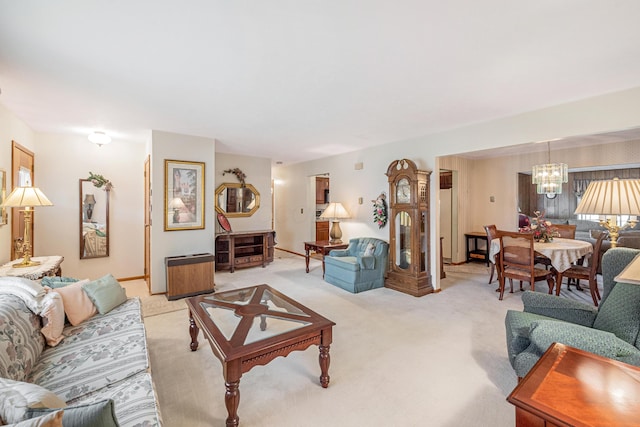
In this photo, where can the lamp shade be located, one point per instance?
(89, 199)
(611, 197)
(336, 211)
(176, 203)
(26, 196)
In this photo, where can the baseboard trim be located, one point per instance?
(126, 279)
(291, 252)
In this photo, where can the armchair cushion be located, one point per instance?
(559, 308)
(543, 333)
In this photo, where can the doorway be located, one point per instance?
(449, 215)
(147, 222)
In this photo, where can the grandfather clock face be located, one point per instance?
(403, 191)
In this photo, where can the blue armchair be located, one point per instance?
(357, 269)
(612, 330)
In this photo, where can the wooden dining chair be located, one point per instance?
(517, 261)
(492, 233)
(566, 231)
(589, 273)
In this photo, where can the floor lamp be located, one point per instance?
(27, 198)
(612, 198)
(335, 212)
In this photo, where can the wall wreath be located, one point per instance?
(380, 210)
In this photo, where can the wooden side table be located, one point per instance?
(476, 253)
(571, 387)
(49, 266)
(323, 247)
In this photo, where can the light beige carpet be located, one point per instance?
(152, 305)
(396, 360)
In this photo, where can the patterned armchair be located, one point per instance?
(612, 330)
(360, 267)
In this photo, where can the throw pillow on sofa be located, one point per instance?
(57, 282)
(52, 318)
(77, 304)
(97, 414)
(17, 397)
(105, 293)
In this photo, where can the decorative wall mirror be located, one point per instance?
(94, 221)
(3, 195)
(236, 200)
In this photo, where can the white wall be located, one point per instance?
(258, 172)
(594, 115)
(171, 146)
(61, 161)
(13, 129)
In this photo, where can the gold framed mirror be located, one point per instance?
(236, 200)
(3, 195)
(94, 221)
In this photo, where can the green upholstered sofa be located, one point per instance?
(611, 330)
(353, 270)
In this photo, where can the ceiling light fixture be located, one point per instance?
(99, 138)
(549, 177)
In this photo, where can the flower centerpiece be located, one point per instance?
(543, 230)
(380, 210)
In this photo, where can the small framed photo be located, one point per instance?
(183, 195)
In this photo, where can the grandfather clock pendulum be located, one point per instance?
(409, 241)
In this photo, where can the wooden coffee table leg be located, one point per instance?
(232, 374)
(193, 331)
(231, 401)
(325, 359)
(306, 257)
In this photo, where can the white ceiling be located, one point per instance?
(297, 80)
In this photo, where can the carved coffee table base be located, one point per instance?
(234, 367)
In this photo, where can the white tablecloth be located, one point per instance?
(561, 252)
(48, 266)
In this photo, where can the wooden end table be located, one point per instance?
(49, 266)
(571, 387)
(323, 247)
(229, 321)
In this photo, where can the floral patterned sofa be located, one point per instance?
(101, 359)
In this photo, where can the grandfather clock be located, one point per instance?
(409, 258)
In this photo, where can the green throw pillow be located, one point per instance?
(97, 414)
(105, 293)
(57, 282)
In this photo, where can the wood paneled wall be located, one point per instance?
(563, 205)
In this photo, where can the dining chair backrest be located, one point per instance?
(595, 255)
(516, 250)
(492, 232)
(566, 231)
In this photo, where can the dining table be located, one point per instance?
(561, 252)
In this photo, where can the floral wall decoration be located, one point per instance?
(380, 210)
(238, 173)
(100, 181)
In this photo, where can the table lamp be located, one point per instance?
(334, 212)
(89, 202)
(27, 198)
(612, 198)
(177, 205)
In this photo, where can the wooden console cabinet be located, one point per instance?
(189, 275)
(244, 249)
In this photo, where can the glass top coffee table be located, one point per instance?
(252, 326)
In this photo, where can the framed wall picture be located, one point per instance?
(184, 195)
